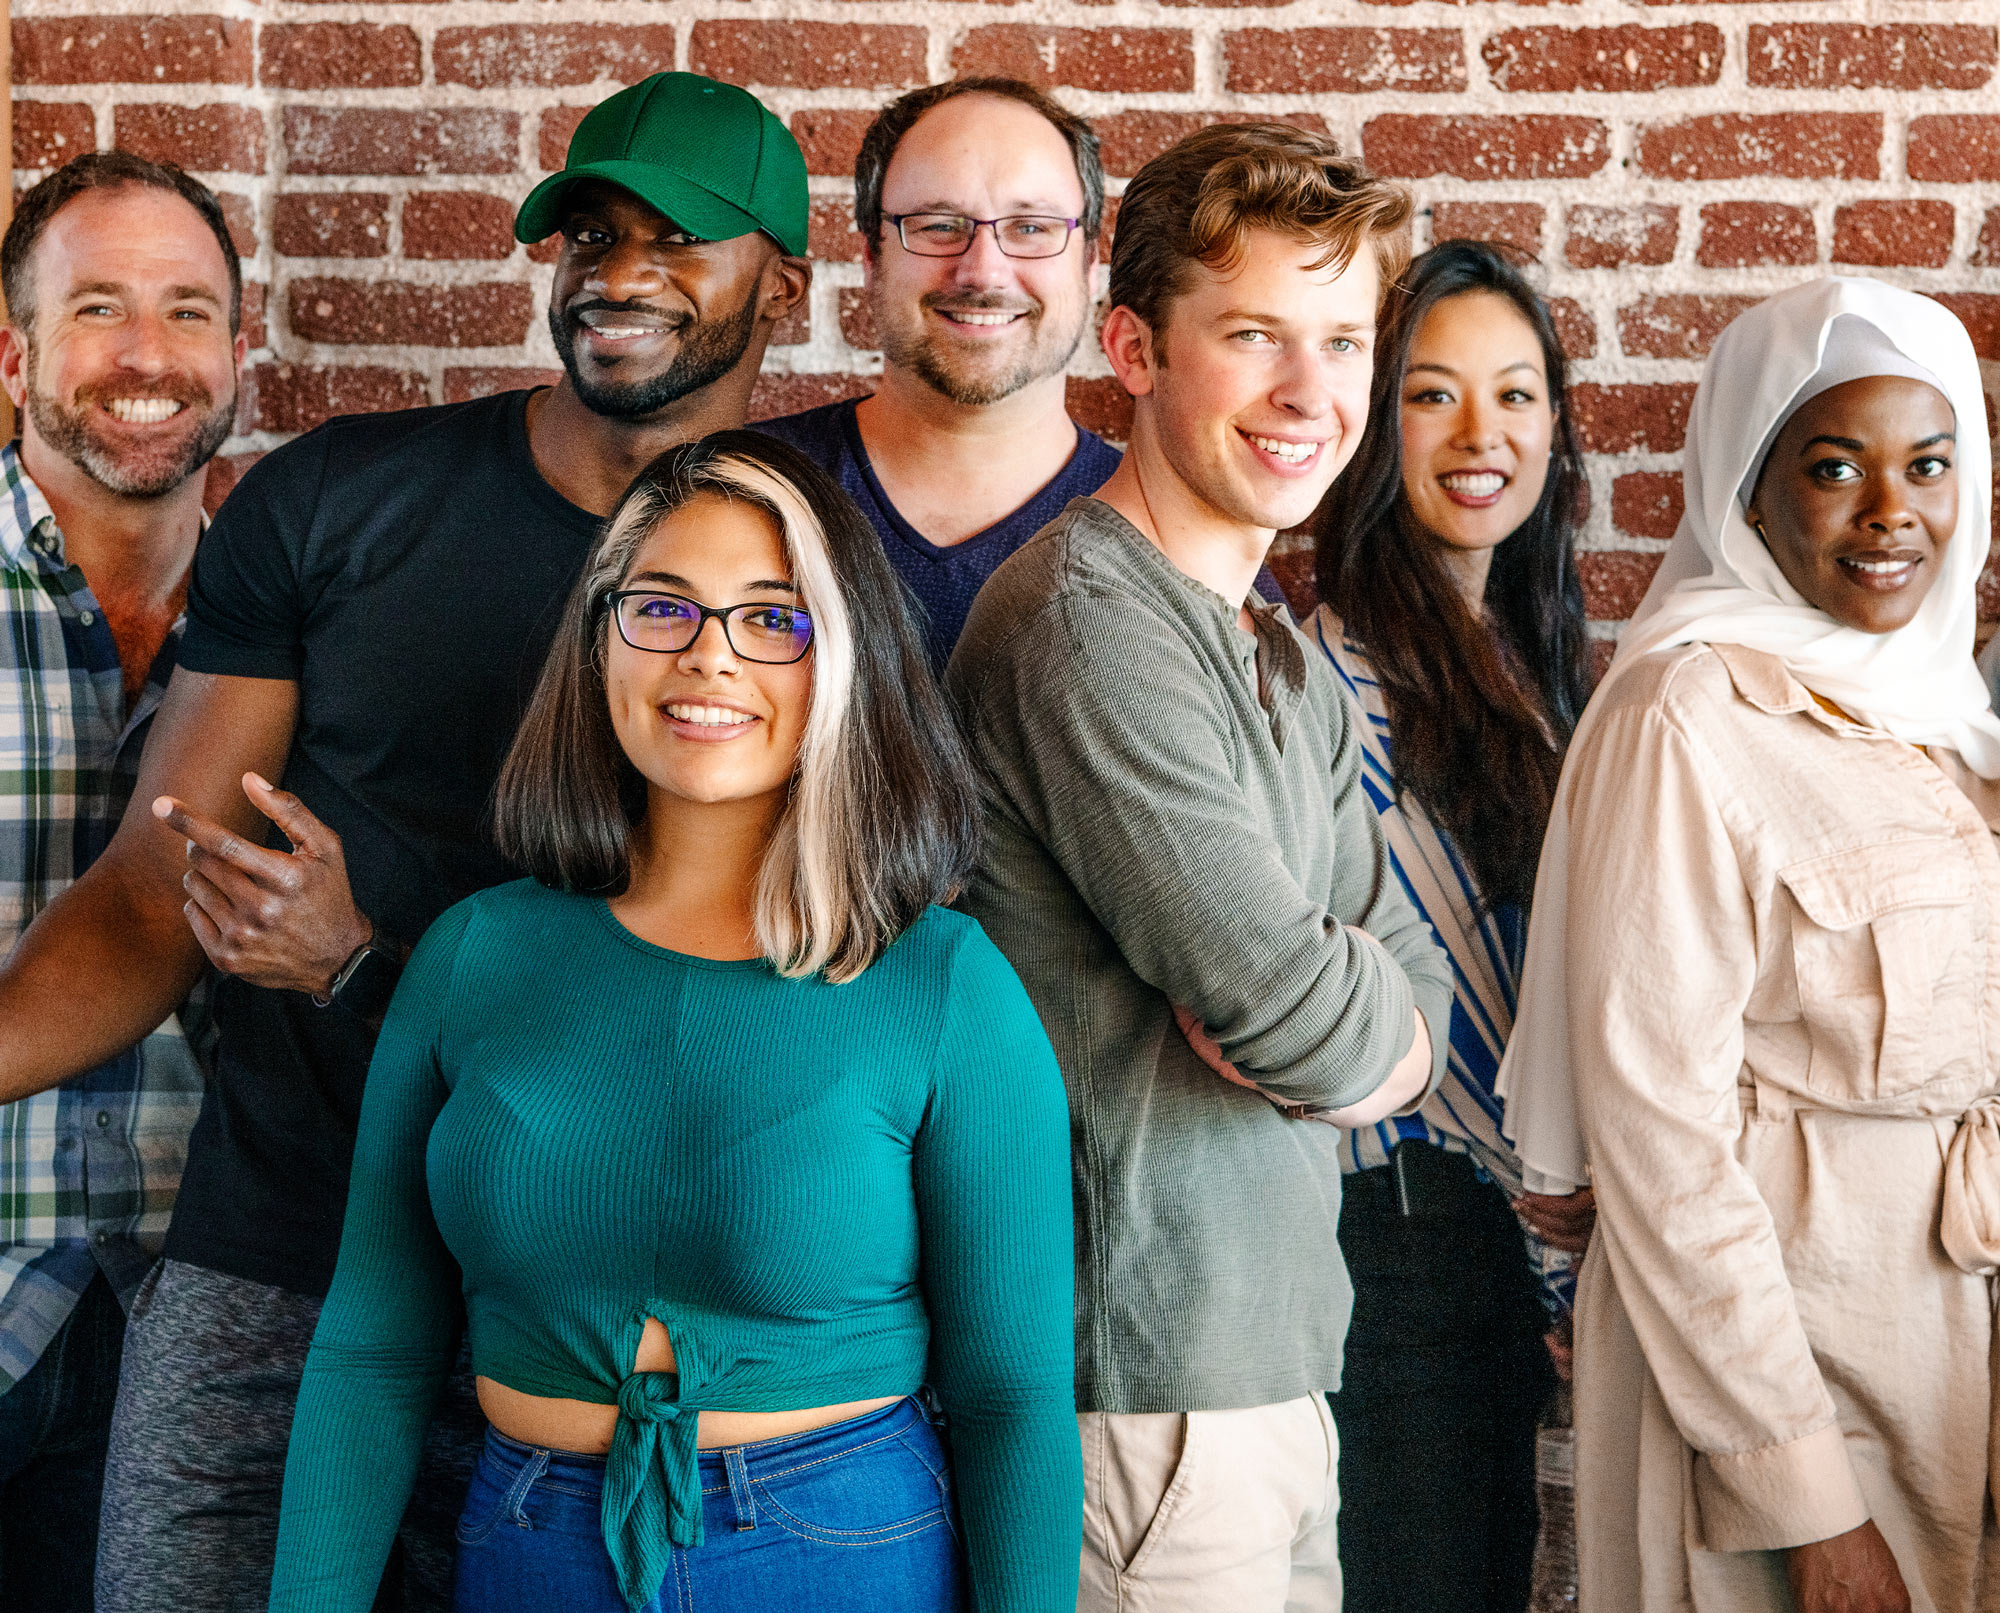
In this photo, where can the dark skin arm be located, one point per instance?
(113, 956)
(1851, 1573)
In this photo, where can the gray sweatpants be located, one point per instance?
(197, 1461)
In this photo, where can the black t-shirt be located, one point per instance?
(943, 578)
(407, 571)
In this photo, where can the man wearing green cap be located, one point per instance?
(368, 615)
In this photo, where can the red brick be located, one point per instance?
(395, 312)
(1514, 224)
(830, 137)
(255, 292)
(1418, 145)
(548, 54)
(1618, 419)
(1957, 146)
(48, 133)
(1608, 237)
(776, 395)
(794, 330)
(370, 140)
(331, 224)
(206, 139)
(1845, 55)
(547, 250)
(1343, 61)
(1979, 312)
(1629, 59)
(1294, 567)
(1677, 326)
(552, 143)
(338, 55)
(820, 55)
(297, 397)
(1743, 145)
(1128, 59)
(833, 237)
(220, 479)
(1614, 581)
(1575, 329)
(132, 50)
(463, 383)
(1913, 233)
(457, 224)
(240, 214)
(1737, 235)
(1101, 405)
(1647, 504)
(1127, 141)
(857, 322)
(1986, 251)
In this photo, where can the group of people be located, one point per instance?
(615, 1010)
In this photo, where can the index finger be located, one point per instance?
(212, 838)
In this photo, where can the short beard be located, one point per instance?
(129, 470)
(709, 350)
(1048, 352)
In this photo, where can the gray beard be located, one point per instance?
(119, 467)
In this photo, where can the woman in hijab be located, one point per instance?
(1763, 997)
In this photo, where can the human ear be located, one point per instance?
(1127, 341)
(787, 284)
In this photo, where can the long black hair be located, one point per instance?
(1479, 711)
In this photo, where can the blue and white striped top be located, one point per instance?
(1485, 947)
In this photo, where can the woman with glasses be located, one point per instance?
(731, 1139)
(1454, 617)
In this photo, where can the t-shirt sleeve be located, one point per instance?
(246, 604)
(390, 1326)
(993, 1207)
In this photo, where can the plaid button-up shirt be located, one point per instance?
(88, 1170)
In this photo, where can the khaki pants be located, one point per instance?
(1211, 1511)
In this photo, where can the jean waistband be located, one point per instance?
(577, 1467)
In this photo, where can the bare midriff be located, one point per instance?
(586, 1427)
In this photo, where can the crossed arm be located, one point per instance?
(117, 952)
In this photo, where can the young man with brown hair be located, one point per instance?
(1177, 836)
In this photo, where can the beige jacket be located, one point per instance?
(1784, 978)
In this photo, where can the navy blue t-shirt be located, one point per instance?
(944, 578)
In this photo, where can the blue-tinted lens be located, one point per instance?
(770, 632)
(658, 621)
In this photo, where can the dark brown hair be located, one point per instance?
(896, 119)
(1479, 714)
(883, 815)
(1194, 202)
(103, 170)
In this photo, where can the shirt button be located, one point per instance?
(88, 617)
(100, 1238)
(103, 1119)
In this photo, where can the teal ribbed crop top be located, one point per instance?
(825, 1193)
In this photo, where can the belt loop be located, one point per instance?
(524, 1481)
(739, 1487)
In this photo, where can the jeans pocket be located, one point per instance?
(485, 1503)
(498, 1494)
(882, 1491)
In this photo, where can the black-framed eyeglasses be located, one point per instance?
(668, 623)
(950, 235)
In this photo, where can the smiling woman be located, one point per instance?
(700, 1120)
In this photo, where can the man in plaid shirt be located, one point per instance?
(121, 359)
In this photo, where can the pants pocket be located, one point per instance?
(1149, 1464)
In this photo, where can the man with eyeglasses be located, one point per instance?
(978, 203)
(368, 616)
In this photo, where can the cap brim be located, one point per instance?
(682, 200)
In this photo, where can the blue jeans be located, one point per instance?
(853, 1518)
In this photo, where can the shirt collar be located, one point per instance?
(1767, 683)
(23, 513)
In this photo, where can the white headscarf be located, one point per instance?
(1719, 585)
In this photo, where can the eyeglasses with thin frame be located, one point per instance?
(950, 235)
(666, 624)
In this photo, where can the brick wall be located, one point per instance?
(1667, 164)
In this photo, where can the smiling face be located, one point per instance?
(704, 724)
(641, 312)
(979, 327)
(1477, 421)
(1256, 391)
(1859, 497)
(129, 367)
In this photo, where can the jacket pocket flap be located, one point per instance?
(1844, 888)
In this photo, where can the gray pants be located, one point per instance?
(197, 1460)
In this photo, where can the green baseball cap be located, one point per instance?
(710, 156)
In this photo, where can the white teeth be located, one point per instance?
(708, 716)
(1474, 483)
(982, 319)
(1292, 453)
(622, 333)
(143, 411)
(1881, 568)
